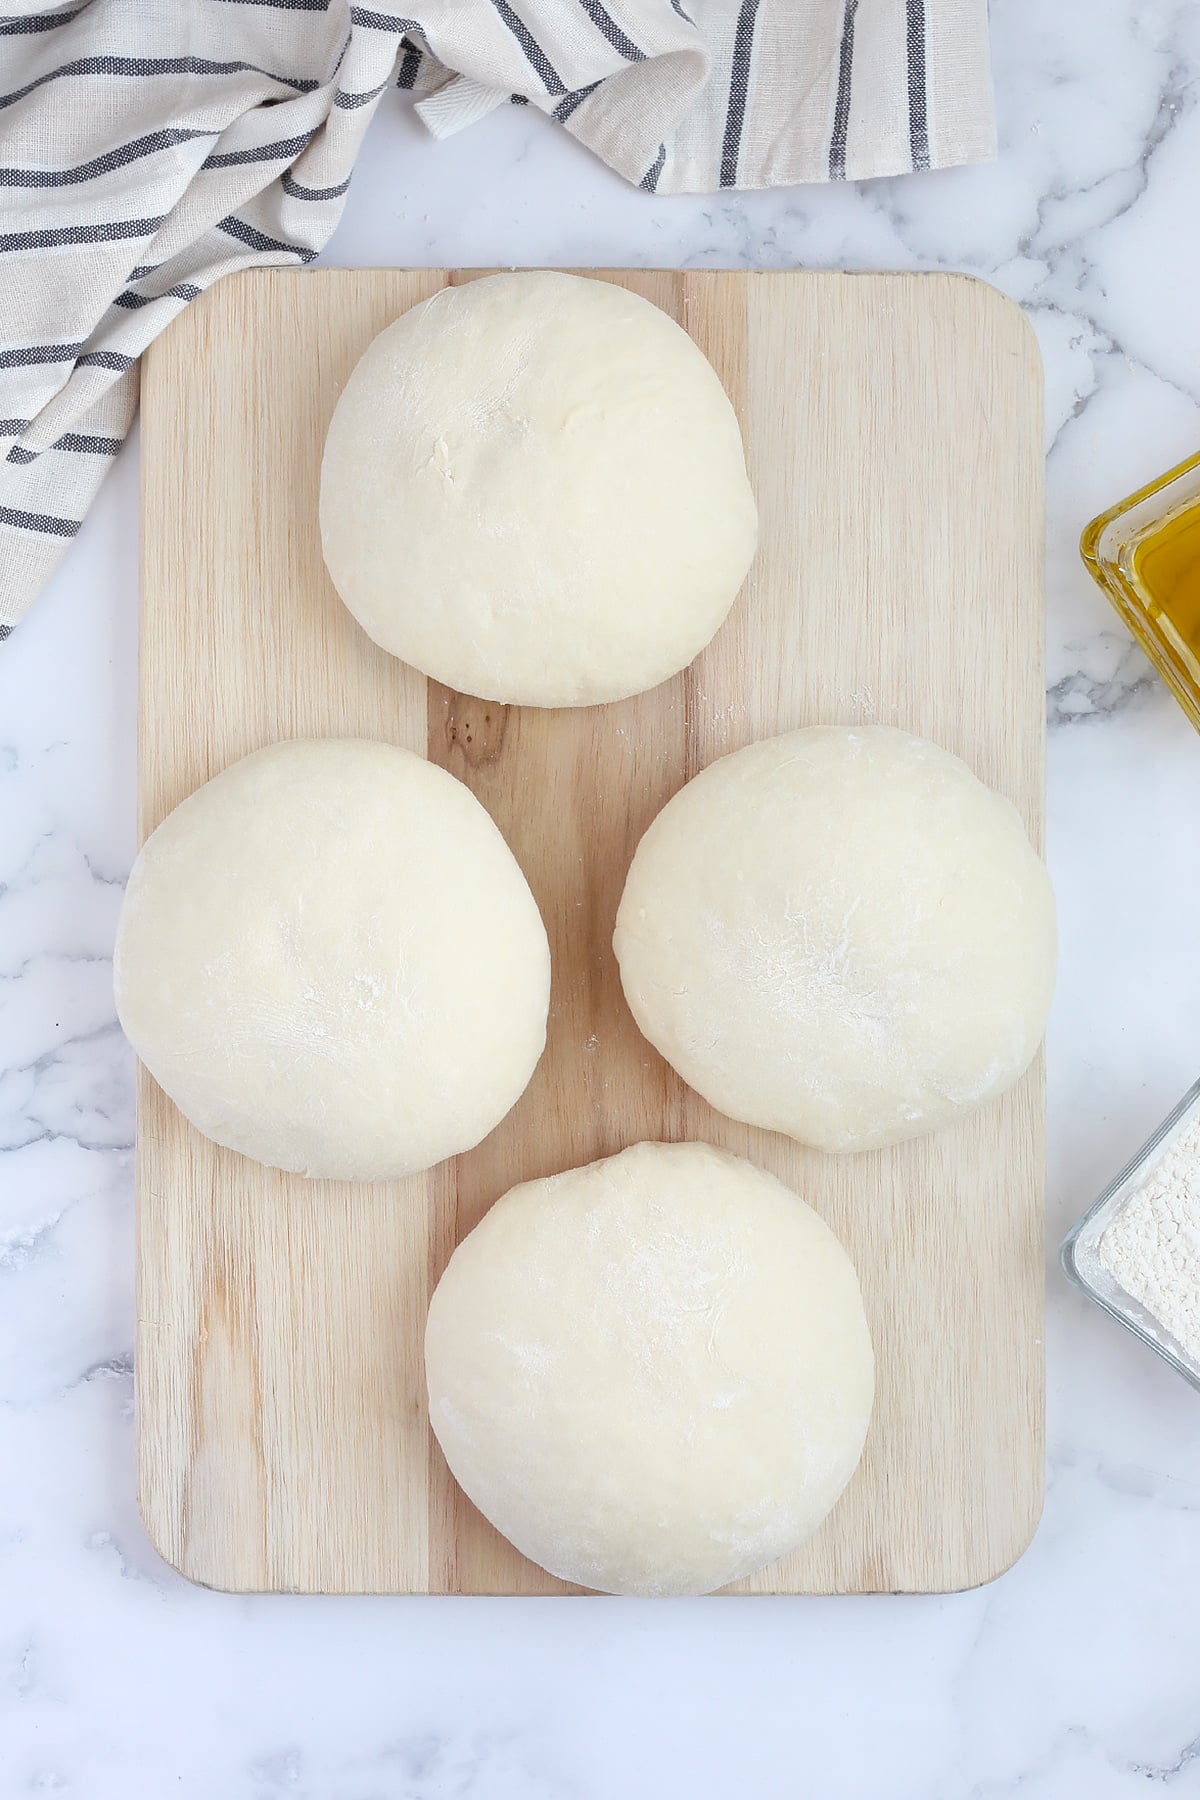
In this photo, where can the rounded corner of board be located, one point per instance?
(987, 295)
(162, 1543)
(1005, 1558)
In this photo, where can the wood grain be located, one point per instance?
(893, 428)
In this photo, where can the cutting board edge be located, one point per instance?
(280, 276)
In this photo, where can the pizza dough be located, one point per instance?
(534, 491)
(329, 959)
(839, 934)
(654, 1374)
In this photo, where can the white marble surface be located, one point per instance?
(1076, 1676)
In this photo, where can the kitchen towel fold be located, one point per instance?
(148, 147)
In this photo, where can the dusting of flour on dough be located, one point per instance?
(653, 1374)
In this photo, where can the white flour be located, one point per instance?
(1152, 1248)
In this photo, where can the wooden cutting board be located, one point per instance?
(893, 430)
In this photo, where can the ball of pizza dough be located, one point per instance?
(534, 491)
(329, 959)
(840, 934)
(654, 1374)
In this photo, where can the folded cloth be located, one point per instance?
(148, 147)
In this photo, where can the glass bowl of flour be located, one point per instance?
(1137, 1250)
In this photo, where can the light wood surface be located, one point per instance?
(893, 430)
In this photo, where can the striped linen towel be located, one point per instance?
(148, 147)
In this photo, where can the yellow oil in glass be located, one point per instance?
(1145, 554)
(1165, 564)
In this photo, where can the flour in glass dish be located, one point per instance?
(1152, 1248)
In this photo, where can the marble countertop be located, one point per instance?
(1074, 1677)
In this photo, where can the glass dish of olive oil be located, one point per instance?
(1145, 553)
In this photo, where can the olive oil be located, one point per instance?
(1166, 568)
(1145, 554)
